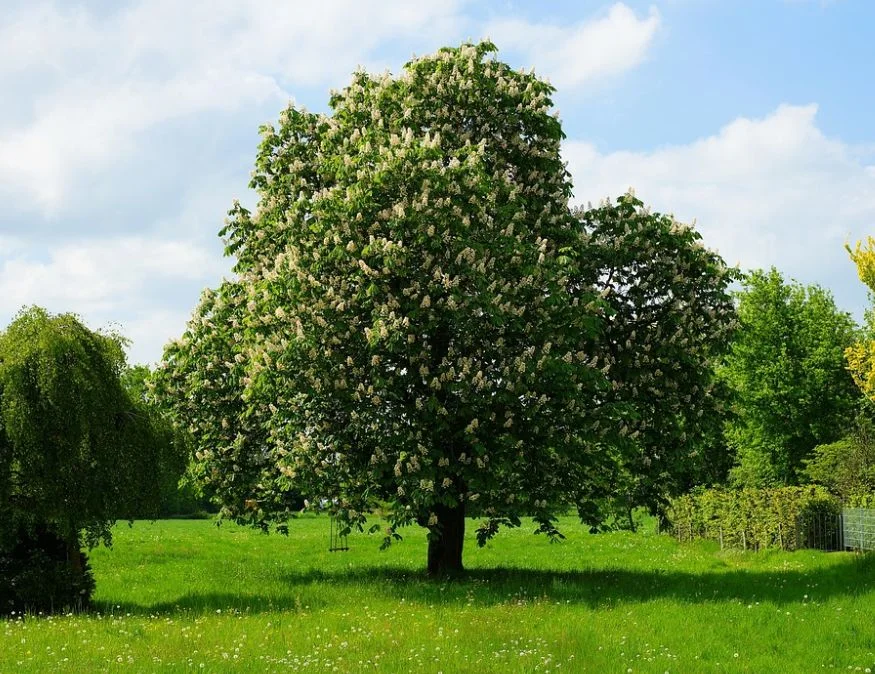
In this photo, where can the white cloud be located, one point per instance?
(86, 126)
(585, 52)
(99, 275)
(149, 332)
(770, 191)
(10, 245)
(107, 79)
(105, 280)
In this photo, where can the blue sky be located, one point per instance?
(127, 129)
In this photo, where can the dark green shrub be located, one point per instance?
(36, 574)
(847, 467)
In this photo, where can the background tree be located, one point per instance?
(669, 320)
(178, 497)
(76, 453)
(847, 467)
(786, 370)
(861, 354)
(418, 319)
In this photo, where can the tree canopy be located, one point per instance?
(861, 354)
(669, 319)
(419, 320)
(786, 369)
(76, 451)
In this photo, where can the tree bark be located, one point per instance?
(446, 540)
(74, 554)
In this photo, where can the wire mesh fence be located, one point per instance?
(852, 529)
(820, 531)
(858, 528)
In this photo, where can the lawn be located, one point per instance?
(186, 595)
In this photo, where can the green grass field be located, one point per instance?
(186, 595)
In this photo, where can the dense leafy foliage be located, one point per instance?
(786, 370)
(754, 518)
(76, 451)
(861, 354)
(419, 320)
(847, 467)
(178, 497)
(669, 318)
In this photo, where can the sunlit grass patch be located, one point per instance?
(182, 595)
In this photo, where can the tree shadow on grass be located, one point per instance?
(217, 603)
(313, 589)
(598, 587)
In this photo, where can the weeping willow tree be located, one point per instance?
(76, 454)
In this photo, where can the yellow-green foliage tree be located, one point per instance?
(861, 355)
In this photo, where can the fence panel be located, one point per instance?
(858, 528)
(820, 531)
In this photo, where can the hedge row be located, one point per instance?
(862, 500)
(786, 517)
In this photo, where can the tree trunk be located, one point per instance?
(74, 554)
(446, 540)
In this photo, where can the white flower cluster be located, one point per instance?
(416, 306)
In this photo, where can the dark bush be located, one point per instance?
(36, 574)
(847, 467)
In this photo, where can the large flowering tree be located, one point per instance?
(418, 320)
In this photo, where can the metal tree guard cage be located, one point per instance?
(337, 539)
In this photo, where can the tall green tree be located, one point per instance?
(76, 451)
(786, 370)
(669, 320)
(178, 496)
(419, 320)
